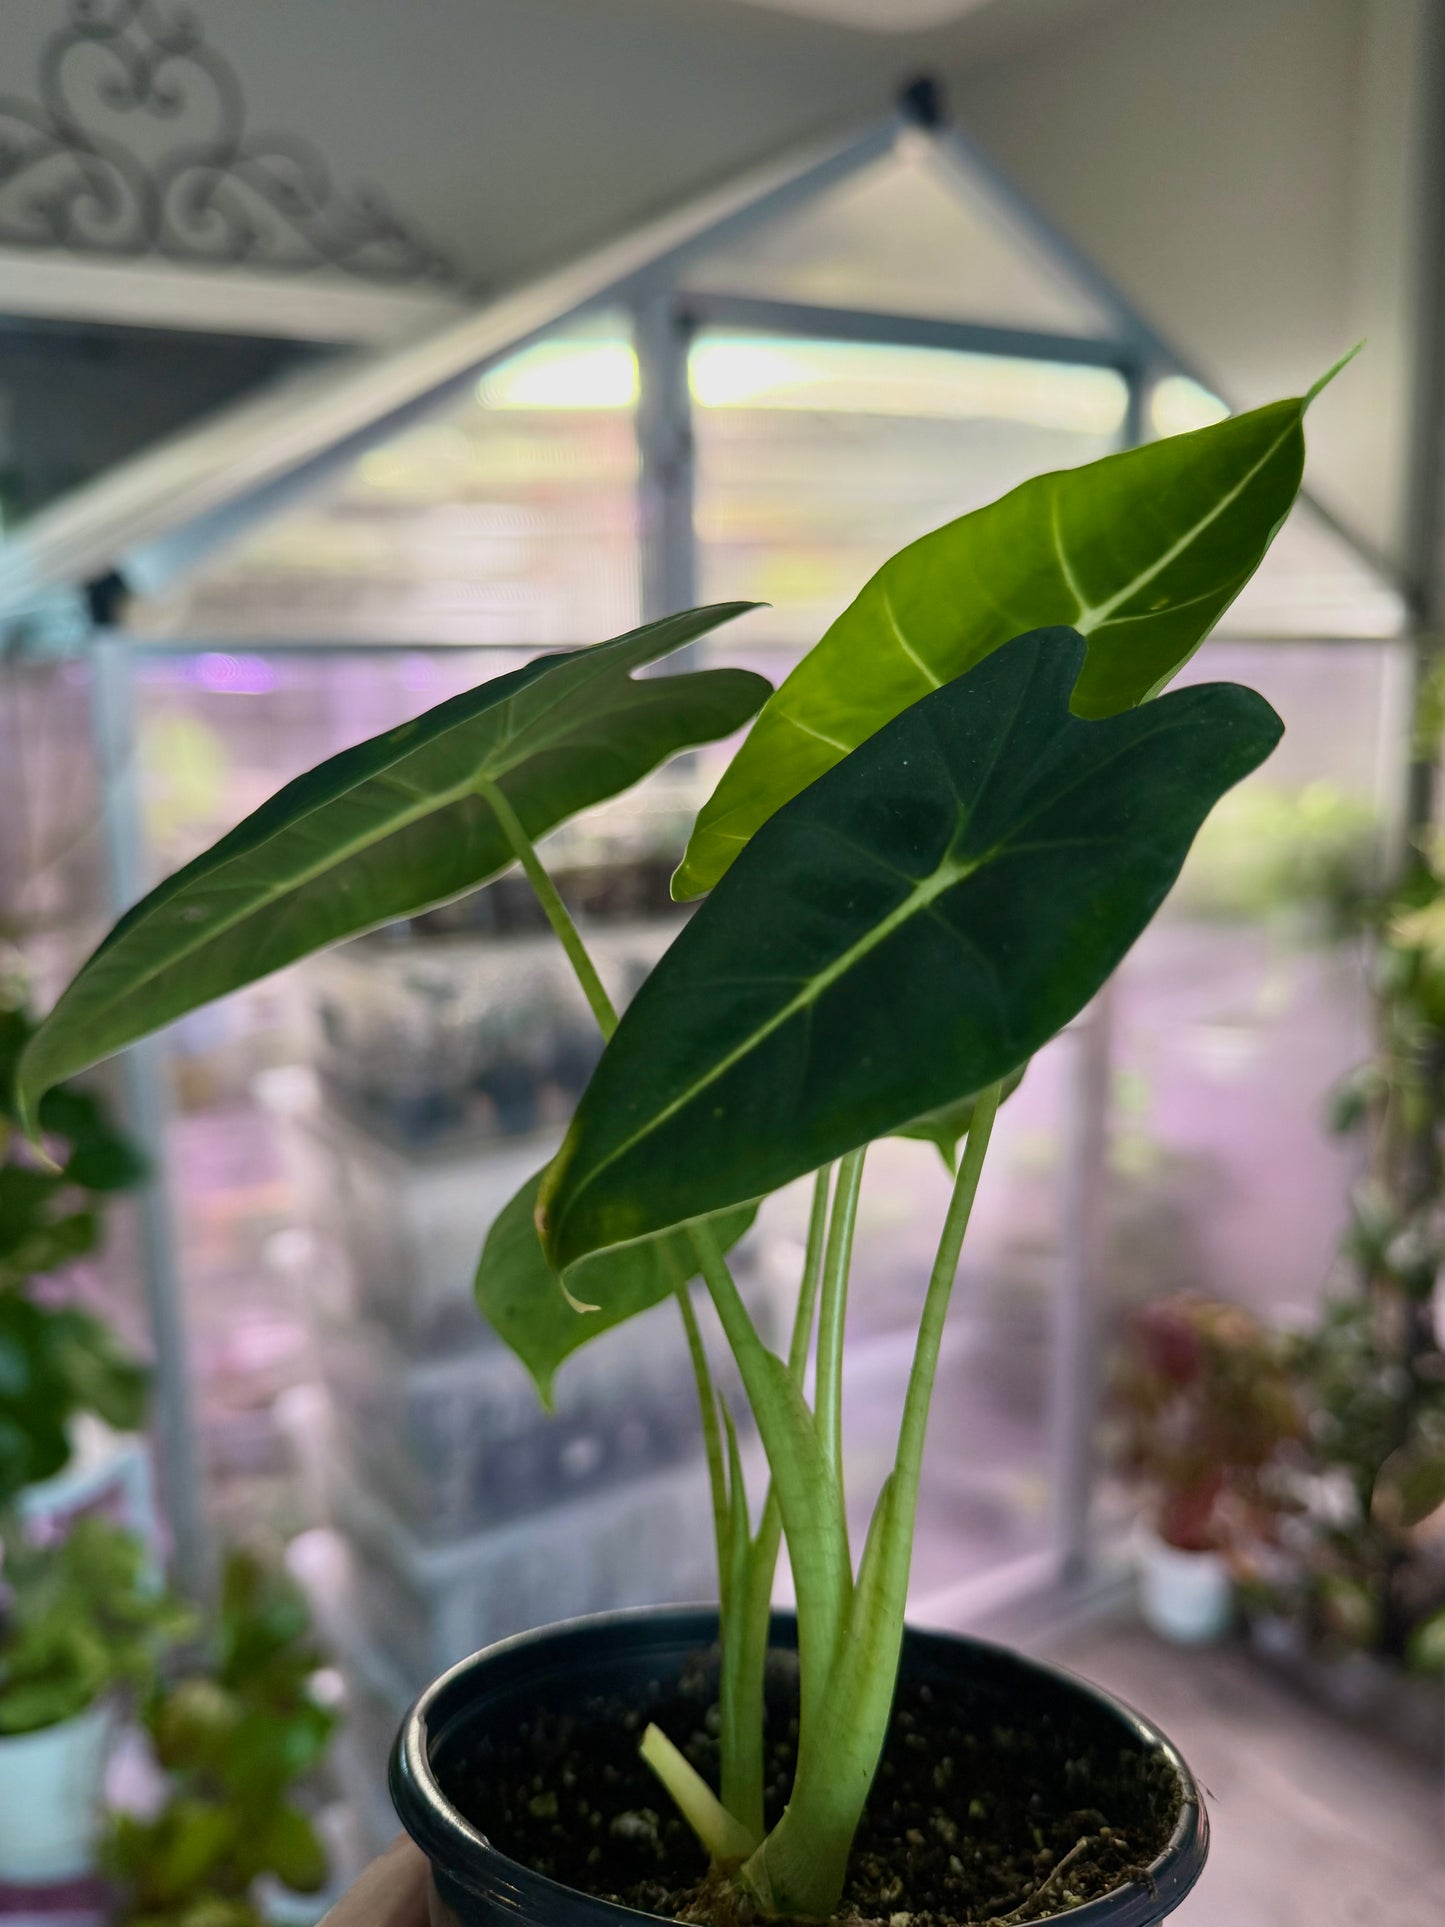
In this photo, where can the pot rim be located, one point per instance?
(442, 1833)
(1149, 1542)
(97, 1712)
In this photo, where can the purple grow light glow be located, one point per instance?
(418, 674)
(235, 675)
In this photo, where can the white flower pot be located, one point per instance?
(1187, 1597)
(50, 1789)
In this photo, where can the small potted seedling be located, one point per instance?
(1206, 1401)
(941, 835)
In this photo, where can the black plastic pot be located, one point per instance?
(621, 1652)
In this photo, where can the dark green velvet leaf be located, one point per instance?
(523, 1301)
(389, 829)
(918, 922)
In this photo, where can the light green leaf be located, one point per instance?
(1410, 1485)
(292, 1850)
(521, 1298)
(1140, 553)
(1425, 1652)
(919, 921)
(389, 829)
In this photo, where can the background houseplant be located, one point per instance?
(1206, 1401)
(235, 1734)
(85, 1622)
(1360, 1564)
(83, 1618)
(942, 834)
(57, 1360)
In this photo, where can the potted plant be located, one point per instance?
(1206, 1401)
(941, 835)
(1352, 1595)
(83, 1620)
(80, 1616)
(235, 1736)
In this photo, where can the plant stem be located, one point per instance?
(713, 1445)
(557, 913)
(832, 1311)
(745, 1645)
(605, 1012)
(812, 1277)
(808, 1495)
(726, 1841)
(800, 1867)
(909, 1462)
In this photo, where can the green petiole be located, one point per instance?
(849, 1633)
(800, 1866)
(605, 1012)
(748, 1601)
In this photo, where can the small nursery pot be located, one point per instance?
(1187, 1597)
(50, 1785)
(621, 1653)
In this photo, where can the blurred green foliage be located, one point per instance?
(236, 1737)
(1367, 1545)
(82, 1617)
(56, 1360)
(1264, 851)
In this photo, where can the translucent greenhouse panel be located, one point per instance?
(816, 460)
(1243, 1005)
(507, 518)
(52, 858)
(910, 235)
(1314, 583)
(54, 907)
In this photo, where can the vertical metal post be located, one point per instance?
(1083, 1217)
(145, 1099)
(1083, 1234)
(1141, 377)
(665, 451)
(1425, 531)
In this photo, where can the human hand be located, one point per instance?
(392, 1892)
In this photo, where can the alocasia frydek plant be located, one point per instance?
(942, 834)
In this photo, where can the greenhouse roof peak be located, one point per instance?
(814, 236)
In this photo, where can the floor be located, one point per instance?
(1314, 1824)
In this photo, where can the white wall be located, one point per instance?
(516, 130)
(1243, 169)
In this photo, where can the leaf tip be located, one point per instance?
(682, 888)
(545, 1380)
(1328, 376)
